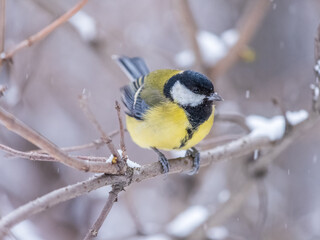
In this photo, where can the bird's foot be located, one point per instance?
(163, 160)
(195, 154)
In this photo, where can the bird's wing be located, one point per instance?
(134, 95)
(131, 97)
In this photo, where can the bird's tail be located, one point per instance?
(134, 67)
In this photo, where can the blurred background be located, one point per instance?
(45, 80)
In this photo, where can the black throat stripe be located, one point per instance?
(190, 132)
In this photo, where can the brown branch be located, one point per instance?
(37, 156)
(316, 86)
(104, 137)
(139, 226)
(122, 143)
(191, 30)
(57, 196)
(113, 196)
(2, 24)
(263, 208)
(248, 25)
(94, 144)
(2, 90)
(18, 127)
(44, 32)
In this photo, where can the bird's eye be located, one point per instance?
(196, 90)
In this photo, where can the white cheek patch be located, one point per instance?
(182, 95)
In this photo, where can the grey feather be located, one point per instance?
(134, 67)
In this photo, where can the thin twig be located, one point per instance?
(105, 138)
(263, 208)
(133, 213)
(279, 103)
(191, 29)
(18, 127)
(113, 196)
(122, 143)
(94, 144)
(3, 88)
(2, 24)
(248, 25)
(44, 32)
(37, 156)
(316, 86)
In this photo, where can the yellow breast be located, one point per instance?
(164, 127)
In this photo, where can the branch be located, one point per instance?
(18, 127)
(37, 156)
(44, 32)
(122, 143)
(55, 197)
(113, 196)
(248, 25)
(232, 150)
(191, 29)
(94, 144)
(105, 138)
(316, 86)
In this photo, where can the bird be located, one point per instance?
(167, 109)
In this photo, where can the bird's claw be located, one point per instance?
(163, 160)
(195, 154)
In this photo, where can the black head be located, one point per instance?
(190, 88)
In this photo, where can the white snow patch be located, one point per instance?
(13, 95)
(230, 37)
(25, 230)
(85, 25)
(317, 67)
(156, 237)
(316, 91)
(151, 237)
(212, 48)
(130, 163)
(217, 233)
(109, 160)
(133, 164)
(178, 153)
(297, 117)
(247, 94)
(187, 221)
(315, 159)
(255, 154)
(274, 127)
(224, 195)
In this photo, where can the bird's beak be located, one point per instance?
(215, 97)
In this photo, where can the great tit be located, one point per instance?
(167, 109)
